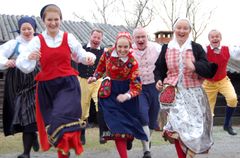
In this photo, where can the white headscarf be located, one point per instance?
(174, 44)
(180, 19)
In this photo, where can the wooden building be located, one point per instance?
(163, 37)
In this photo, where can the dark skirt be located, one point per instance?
(60, 107)
(121, 119)
(19, 102)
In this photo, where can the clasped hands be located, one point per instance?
(34, 55)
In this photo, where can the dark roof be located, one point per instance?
(81, 30)
(159, 32)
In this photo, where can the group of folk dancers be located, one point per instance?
(44, 93)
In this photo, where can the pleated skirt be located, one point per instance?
(19, 102)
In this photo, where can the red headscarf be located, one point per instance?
(126, 35)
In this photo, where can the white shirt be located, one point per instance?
(234, 52)
(124, 59)
(6, 50)
(78, 53)
(89, 46)
(234, 61)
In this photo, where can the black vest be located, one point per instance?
(86, 71)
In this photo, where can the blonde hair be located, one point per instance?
(50, 8)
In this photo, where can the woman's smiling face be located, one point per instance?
(27, 31)
(182, 30)
(122, 47)
(52, 22)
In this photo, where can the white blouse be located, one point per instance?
(78, 53)
(7, 49)
(124, 59)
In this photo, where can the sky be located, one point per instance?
(225, 17)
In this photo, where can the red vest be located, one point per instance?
(55, 62)
(220, 59)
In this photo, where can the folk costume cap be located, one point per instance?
(180, 19)
(26, 19)
(42, 12)
(126, 35)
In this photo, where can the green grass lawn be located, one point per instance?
(13, 144)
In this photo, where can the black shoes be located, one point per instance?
(230, 130)
(35, 145)
(129, 145)
(23, 156)
(147, 154)
(83, 139)
(102, 140)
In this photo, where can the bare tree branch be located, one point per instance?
(191, 10)
(172, 10)
(102, 9)
(79, 17)
(199, 21)
(142, 14)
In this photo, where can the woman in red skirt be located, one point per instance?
(57, 104)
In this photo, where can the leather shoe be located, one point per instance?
(230, 130)
(23, 156)
(147, 154)
(129, 145)
(35, 145)
(102, 140)
(83, 139)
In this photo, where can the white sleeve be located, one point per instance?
(158, 47)
(205, 49)
(6, 51)
(234, 53)
(79, 54)
(22, 62)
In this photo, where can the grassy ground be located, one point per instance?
(225, 146)
(13, 144)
